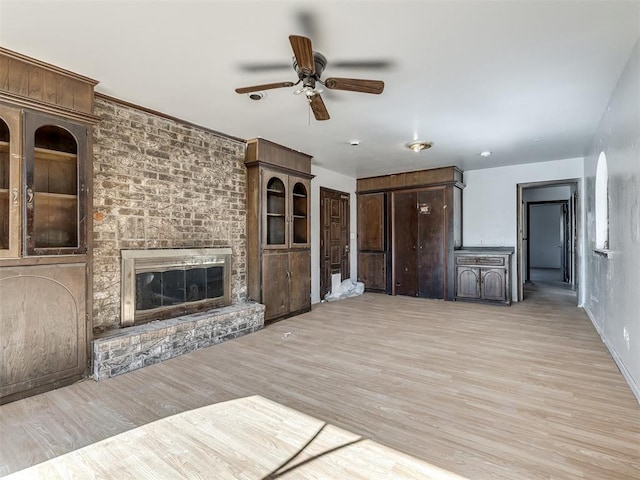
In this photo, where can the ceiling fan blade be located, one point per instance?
(304, 54)
(264, 67)
(355, 85)
(308, 23)
(318, 107)
(266, 86)
(363, 64)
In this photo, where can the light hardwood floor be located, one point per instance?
(527, 391)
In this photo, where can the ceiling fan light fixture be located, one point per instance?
(419, 145)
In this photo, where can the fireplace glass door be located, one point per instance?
(156, 289)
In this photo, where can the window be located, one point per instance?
(602, 203)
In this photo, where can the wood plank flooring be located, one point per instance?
(527, 391)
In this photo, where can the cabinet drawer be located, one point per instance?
(478, 260)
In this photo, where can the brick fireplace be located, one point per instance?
(161, 183)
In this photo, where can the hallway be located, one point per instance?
(546, 285)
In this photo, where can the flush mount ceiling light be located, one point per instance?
(354, 143)
(486, 153)
(419, 145)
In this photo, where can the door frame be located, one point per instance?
(344, 275)
(565, 242)
(576, 227)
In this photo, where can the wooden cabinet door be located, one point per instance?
(493, 284)
(42, 342)
(431, 252)
(371, 222)
(467, 282)
(405, 244)
(372, 270)
(299, 280)
(10, 196)
(275, 284)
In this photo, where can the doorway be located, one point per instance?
(334, 237)
(547, 236)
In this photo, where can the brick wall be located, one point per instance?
(159, 183)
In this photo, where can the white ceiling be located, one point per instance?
(528, 80)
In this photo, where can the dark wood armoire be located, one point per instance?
(409, 224)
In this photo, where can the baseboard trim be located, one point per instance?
(635, 388)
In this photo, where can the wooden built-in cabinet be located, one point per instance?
(482, 274)
(278, 228)
(409, 225)
(45, 176)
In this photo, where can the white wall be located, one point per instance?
(613, 282)
(328, 179)
(546, 194)
(489, 211)
(544, 235)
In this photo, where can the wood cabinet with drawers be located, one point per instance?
(483, 274)
(46, 115)
(278, 228)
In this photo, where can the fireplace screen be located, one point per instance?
(160, 284)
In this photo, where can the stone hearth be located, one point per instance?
(135, 347)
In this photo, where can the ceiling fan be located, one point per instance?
(309, 66)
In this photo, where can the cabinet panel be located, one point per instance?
(299, 280)
(42, 341)
(494, 284)
(371, 222)
(275, 285)
(468, 282)
(372, 270)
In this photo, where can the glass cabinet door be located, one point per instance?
(9, 182)
(300, 200)
(54, 195)
(276, 211)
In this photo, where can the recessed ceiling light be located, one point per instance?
(354, 143)
(486, 153)
(257, 95)
(419, 145)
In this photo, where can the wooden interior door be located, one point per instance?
(431, 243)
(334, 237)
(405, 242)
